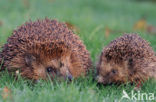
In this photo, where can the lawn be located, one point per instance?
(97, 22)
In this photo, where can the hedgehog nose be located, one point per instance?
(70, 77)
(99, 79)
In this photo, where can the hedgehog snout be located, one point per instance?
(102, 80)
(99, 79)
(66, 73)
(69, 77)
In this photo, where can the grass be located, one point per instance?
(91, 17)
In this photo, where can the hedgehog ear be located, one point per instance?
(108, 57)
(29, 59)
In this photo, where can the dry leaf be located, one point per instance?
(140, 25)
(17, 73)
(1, 23)
(151, 29)
(72, 27)
(6, 93)
(26, 3)
(0, 45)
(107, 32)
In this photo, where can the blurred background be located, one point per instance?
(97, 22)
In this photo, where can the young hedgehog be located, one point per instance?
(129, 58)
(45, 48)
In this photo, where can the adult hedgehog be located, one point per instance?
(45, 48)
(129, 58)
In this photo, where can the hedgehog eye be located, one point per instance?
(50, 69)
(130, 62)
(61, 64)
(114, 71)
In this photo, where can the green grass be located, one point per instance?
(91, 17)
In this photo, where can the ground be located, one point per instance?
(97, 22)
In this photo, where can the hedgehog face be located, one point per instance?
(44, 68)
(110, 72)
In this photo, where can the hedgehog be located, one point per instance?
(127, 59)
(45, 49)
